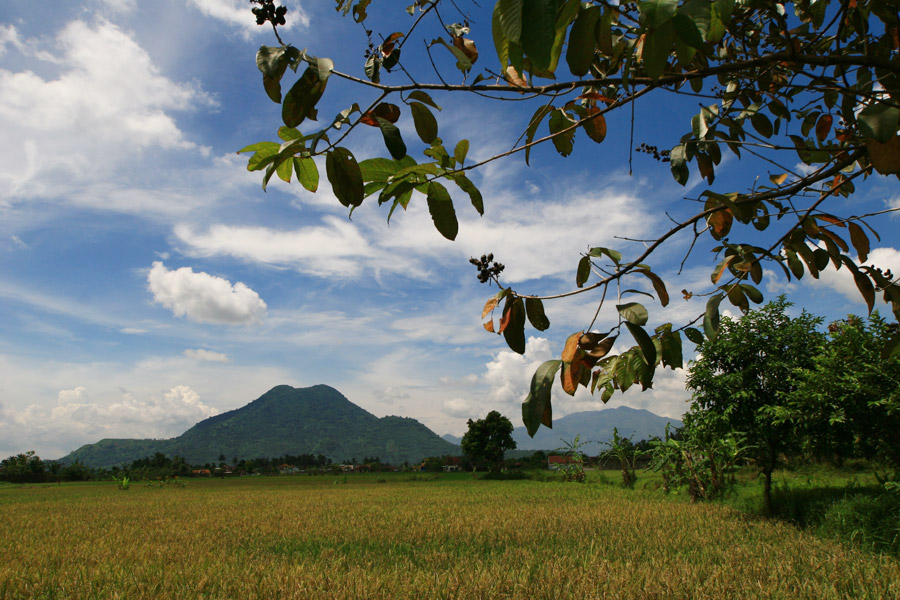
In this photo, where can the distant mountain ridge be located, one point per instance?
(594, 428)
(284, 420)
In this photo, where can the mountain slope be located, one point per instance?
(284, 420)
(595, 427)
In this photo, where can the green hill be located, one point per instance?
(284, 420)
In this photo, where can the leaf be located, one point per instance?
(648, 349)
(460, 151)
(510, 18)
(694, 335)
(656, 12)
(538, 32)
(300, 101)
(594, 124)
(392, 139)
(272, 62)
(583, 271)
(426, 124)
(423, 97)
(384, 110)
(778, 179)
(533, 124)
(658, 285)
(440, 206)
(379, 169)
(761, 124)
(633, 313)
(878, 121)
(657, 47)
(721, 267)
(823, 127)
(562, 139)
(860, 241)
(752, 293)
(345, 177)
(536, 409)
(711, 317)
(307, 173)
(463, 63)
(678, 164)
(720, 223)
(466, 185)
(672, 351)
(285, 170)
(885, 157)
(514, 329)
(580, 52)
(534, 309)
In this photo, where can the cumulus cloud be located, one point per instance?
(460, 407)
(237, 13)
(206, 355)
(842, 280)
(334, 249)
(77, 419)
(105, 103)
(203, 297)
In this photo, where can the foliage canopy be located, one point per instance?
(488, 439)
(814, 80)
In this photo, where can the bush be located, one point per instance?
(871, 522)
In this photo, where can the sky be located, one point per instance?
(148, 282)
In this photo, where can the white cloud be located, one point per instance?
(334, 249)
(237, 13)
(8, 37)
(206, 355)
(842, 280)
(106, 104)
(461, 408)
(203, 297)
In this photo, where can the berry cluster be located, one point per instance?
(656, 153)
(267, 11)
(486, 270)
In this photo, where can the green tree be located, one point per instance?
(488, 439)
(622, 451)
(847, 403)
(776, 82)
(25, 467)
(745, 375)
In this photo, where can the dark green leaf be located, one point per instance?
(538, 31)
(426, 124)
(671, 350)
(657, 46)
(583, 271)
(272, 62)
(580, 52)
(466, 185)
(878, 121)
(658, 285)
(423, 97)
(711, 317)
(537, 408)
(534, 309)
(562, 139)
(514, 326)
(345, 177)
(694, 335)
(440, 206)
(392, 139)
(300, 101)
(648, 349)
(533, 124)
(460, 151)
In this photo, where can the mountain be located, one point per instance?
(284, 420)
(595, 427)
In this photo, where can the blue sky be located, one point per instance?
(147, 282)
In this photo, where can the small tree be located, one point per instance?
(623, 451)
(488, 439)
(573, 470)
(744, 375)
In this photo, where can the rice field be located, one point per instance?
(309, 538)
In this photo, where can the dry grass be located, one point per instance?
(306, 538)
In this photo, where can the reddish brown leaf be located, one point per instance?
(385, 110)
(595, 96)
(595, 124)
(489, 326)
(860, 241)
(571, 376)
(571, 349)
(687, 295)
(514, 78)
(831, 219)
(706, 167)
(885, 157)
(489, 306)
(720, 223)
(507, 316)
(467, 47)
(778, 179)
(823, 127)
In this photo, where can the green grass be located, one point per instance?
(446, 537)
